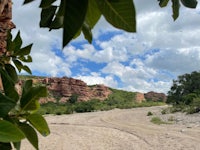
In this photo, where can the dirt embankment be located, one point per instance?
(117, 129)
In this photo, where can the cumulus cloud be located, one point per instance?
(96, 78)
(147, 60)
(45, 61)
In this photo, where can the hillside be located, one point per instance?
(62, 89)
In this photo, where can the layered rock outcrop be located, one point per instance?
(61, 89)
(65, 87)
(153, 96)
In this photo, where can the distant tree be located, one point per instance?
(185, 89)
(73, 99)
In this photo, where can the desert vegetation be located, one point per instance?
(184, 94)
(118, 99)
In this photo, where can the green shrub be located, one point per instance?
(84, 107)
(149, 113)
(157, 120)
(73, 99)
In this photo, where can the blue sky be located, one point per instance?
(144, 61)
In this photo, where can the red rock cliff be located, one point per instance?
(65, 87)
(155, 96)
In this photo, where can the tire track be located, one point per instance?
(116, 130)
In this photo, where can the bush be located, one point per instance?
(149, 113)
(157, 120)
(73, 99)
(84, 107)
(118, 99)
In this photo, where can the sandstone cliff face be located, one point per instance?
(139, 97)
(155, 96)
(65, 87)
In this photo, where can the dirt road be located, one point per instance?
(117, 129)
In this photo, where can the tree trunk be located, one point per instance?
(5, 23)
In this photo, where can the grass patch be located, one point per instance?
(158, 120)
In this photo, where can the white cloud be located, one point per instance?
(95, 78)
(89, 52)
(128, 56)
(138, 79)
(45, 61)
(177, 61)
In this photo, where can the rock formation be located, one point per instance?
(155, 96)
(139, 97)
(61, 89)
(65, 87)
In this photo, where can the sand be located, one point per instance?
(128, 129)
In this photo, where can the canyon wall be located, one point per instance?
(65, 87)
(61, 89)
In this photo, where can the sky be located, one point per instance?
(148, 60)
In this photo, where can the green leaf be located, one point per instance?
(163, 3)
(39, 123)
(27, 69)
(27, 86)
(30, 134)
(18, 42)
(57, 23)
(5, 146)
(61, 9)
(120, 13)
(77, 34)
(11, 72)
(18, 64)
(189, 3)
(28, 99)
(6, 104)
(33, 106)
(25, 59)
(27, 1)
(175, 8)
(93, 14)
(8, 85)
(75, 11)
(9, 132)
(24, 51)
(87, 32)
(46, 3)
(17, 145)
(10, 44)
(47, 15)
(59, 19)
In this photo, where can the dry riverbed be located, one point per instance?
(128, 129)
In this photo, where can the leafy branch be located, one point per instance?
(18, 119)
